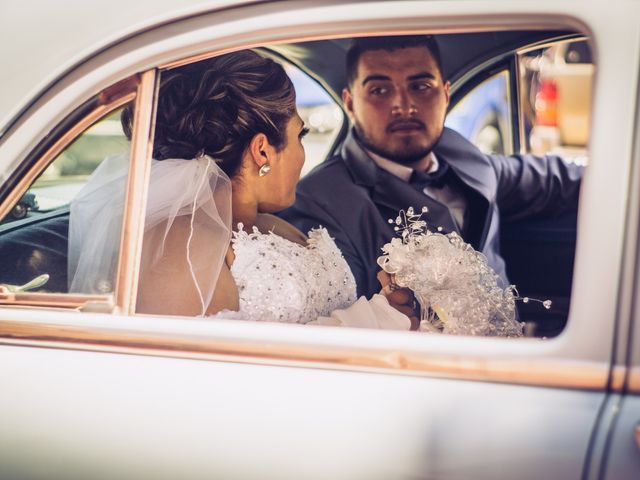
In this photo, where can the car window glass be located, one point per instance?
(556, 91)
(69, 172)
(482, 116)
(320, 113)
(34, 236)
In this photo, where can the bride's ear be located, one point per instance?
(260, 150)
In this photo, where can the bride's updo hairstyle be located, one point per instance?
(218, 105)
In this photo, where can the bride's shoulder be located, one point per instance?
(270, 223)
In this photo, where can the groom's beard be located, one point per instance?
(406, 157)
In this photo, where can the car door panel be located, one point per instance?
(122, 416)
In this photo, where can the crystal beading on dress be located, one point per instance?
(281, 281)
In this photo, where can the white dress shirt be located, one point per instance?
(448, 195)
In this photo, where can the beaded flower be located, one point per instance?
(456, 289)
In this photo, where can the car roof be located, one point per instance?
(42, 40)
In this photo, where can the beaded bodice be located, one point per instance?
(282, 281)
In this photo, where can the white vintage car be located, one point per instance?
(91, 389)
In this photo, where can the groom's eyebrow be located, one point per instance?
(371, 78)
(385, 78)
(421, 75)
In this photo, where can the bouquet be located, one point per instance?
(456, 289)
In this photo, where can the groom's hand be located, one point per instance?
(401, 299)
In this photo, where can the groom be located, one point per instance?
(399, 154)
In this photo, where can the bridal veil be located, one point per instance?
(187, 199)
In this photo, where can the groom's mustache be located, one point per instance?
(406, 124)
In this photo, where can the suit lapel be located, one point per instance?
(478, 180)
(388, 192)
(469, 164)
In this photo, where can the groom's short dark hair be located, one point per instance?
(366, 44)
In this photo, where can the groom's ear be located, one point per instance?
(347, 101)
(260, 150)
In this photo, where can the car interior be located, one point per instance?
(539, 252)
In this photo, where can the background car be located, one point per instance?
(92, 389)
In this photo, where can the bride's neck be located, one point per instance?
(244, 205)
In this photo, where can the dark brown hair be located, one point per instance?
(218, 105)
(365, 44)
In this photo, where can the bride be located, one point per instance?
(227, 154)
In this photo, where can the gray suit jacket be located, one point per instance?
(353, 198)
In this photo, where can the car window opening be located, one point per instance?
(555, 88)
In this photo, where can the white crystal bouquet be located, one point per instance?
(457, 290)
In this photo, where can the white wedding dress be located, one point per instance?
(278, 280)
(282, 281)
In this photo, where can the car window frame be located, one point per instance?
(138, 89)
(593, 374)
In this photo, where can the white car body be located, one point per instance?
(113, 395)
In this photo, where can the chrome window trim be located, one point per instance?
(52, 300)
(269, 344)
(126, 288)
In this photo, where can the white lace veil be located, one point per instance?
(95, 226)
(191, 197)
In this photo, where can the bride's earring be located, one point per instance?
(264, 169)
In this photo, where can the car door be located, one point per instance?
(92, 389)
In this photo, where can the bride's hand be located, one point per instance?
(401, 299)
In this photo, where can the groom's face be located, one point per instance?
(398, 102)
